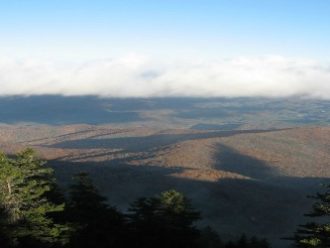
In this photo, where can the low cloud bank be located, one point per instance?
(135, 76)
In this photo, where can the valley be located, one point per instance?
(248, 166)
(251, 181)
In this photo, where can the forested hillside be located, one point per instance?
(35, 212)
(243, 181)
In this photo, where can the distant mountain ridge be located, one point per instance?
(199, 113)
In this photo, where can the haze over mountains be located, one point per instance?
(196, 113)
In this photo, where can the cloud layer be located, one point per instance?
(136, 76)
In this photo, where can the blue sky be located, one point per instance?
(141, 48)
(181, 29)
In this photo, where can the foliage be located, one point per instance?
(209, 238)
(164, 221)
(95, 223)
(35, 213)
(25, 183)
(316, 234)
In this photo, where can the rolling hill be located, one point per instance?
(251, 181)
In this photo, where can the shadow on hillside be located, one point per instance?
(145, 143)
(231, 160)
(231, 206)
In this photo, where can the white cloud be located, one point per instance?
(136, 76)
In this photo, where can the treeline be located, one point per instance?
(35, 213)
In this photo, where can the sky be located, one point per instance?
(144, 48)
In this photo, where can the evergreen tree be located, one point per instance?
(32, 215)
(243, 242)
(178, 218)
(316, 234)
(231, 244)
(25, 183)
(210, 239)
(4, 239)
(164, 221)
(256, 243)
(96, 224)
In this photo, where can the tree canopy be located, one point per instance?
(316, 233)
(36, 213)
(25, 186)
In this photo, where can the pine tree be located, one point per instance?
(316, 234)
(96, 224)
(179, 216)
(11, 177)
(256, 243)
(210, 239)
(4, 238)
(164, 221)
(25, 183)
(243, 242)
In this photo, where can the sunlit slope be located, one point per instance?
(298, 152)
(252, 181)
(295, 152)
